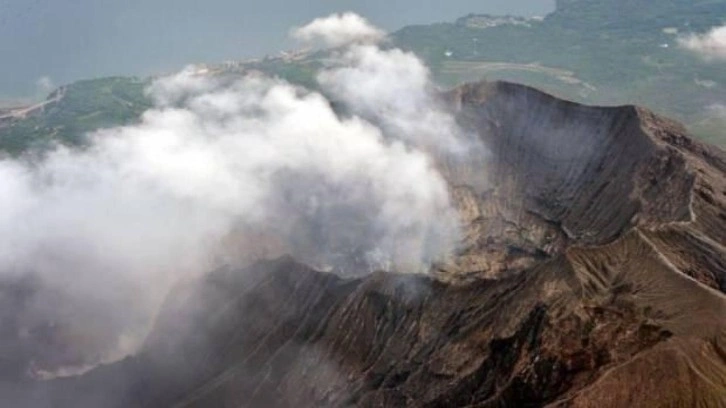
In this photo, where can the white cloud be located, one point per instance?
(223, 169)
(228, 170)
(718, 110)
(393, 88)
(338, 30)
(711, 45)
(44, 85)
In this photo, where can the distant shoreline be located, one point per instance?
(8, 102)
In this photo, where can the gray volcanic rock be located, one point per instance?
(593, 274)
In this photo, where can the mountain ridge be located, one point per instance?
(588, 51)
(591, 275)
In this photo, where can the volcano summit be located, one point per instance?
(592, 273)
(373, 242)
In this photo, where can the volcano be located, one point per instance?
(592, 273)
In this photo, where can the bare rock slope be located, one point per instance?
(593, 274)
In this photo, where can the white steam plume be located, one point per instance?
(718, 110)
(394, 89)
(711, 45)
(338, 30)
(389, 87)
(225, 167)
(44, 85)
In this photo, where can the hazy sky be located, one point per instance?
(71, 39)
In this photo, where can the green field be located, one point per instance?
(86, 106)
(592, 51)
(603, 52)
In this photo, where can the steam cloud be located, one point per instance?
(711, 45)
(44, 85)
(718, 110)
(229, 168)
(716, 114)
(338, 30)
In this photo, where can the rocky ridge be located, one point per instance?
(593, 273)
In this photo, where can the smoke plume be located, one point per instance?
(229, 169)
(44, 85)
(711, 45)
(389, 87)
(339, 30)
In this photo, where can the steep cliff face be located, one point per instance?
(561, 174)
(593, 273)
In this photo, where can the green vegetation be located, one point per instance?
(601, 52)
(592, 51)
(85, 106)
(107, 102)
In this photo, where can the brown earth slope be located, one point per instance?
(593, 274)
